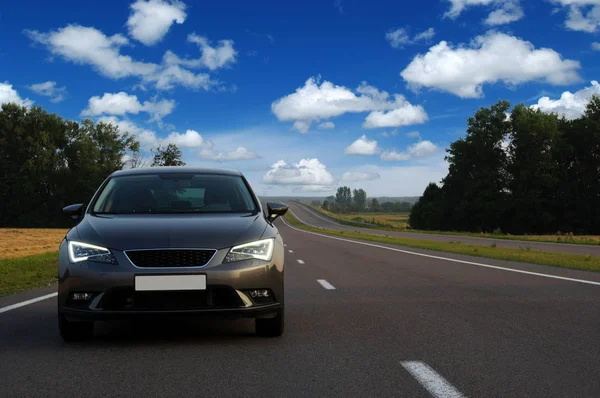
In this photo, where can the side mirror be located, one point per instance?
(73, 211)
(275, 210)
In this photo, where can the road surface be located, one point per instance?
(361, 320)
(313, 217)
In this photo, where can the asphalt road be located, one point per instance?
(312, 217)
(395, 324)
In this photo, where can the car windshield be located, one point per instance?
(175, 193)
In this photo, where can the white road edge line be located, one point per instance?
(300, 261)
(440, 258)
(24, 303)
(431, 380)
(326, 284)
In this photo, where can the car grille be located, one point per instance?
(170, 258)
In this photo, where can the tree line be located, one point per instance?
(47, 162)
(531, 172)
(348, 200)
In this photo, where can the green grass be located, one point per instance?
(525, 254)
(29, 272)
(563, 238)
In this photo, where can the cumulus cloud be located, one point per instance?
(326, 125)
(489, 58)
(419, 150)
(399, 37)
(387, 134)
(49, 89)
(317, 100)
(214, 57)
(353, 176)
(89, 46)
(9, 94)
(362, 146)
(305, 172)
(505, 11)
(569, 105)
(150, 20)
(122, 103)
(596, 46)
(317, 188)
(582, 15)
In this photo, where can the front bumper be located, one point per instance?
(114, 295)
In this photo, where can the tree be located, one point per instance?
(375, 207)
(428, 211)
(167, 156)
(316, 202)
(387, 207)
(326, 205)
(359, 199)
(343, 198)
(48, 162)
(402, 207)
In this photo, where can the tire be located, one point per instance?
(74, 331)
(270, 327)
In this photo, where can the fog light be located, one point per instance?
(81, 296)
(259, 293)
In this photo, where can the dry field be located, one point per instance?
(18, 242)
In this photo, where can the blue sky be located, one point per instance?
(301, 96)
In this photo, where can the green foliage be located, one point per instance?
(375, 207)
(167, 156)
(48, 162)
(326, 205)
(359, 199)
(343, 199)
(533, 173)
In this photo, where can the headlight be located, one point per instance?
(261, 249)
(79, 251)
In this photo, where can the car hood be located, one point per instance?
(211, 231)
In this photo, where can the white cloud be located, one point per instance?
(316, 101)
(317, 188)
(214, 57)
(305, 172)
(352, 176)
(241, 153)
(505, 11)
(146, 138)
(49, 89)
(89, 46)
(189, 139)
(326, 125)
(406, 114)
(399, 37)
(362, 146)
(569, 105)
(413, 134)
(150, 20)
(122, 103)
(582, 15)
(596, 46)
(9, 94)
(489, 58)
(419, 150)
(425, 35)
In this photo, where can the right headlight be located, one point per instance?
(79, 251)
(261, 249)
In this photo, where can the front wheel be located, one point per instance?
(74, 331)
(270, 327)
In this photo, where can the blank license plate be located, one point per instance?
(169, 282)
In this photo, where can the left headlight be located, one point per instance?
(79, 251)
(261, 249)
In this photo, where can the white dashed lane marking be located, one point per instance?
(300, 261)
(326, 284)
(291, 251)
(431, 380)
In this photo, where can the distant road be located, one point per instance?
(310, 216)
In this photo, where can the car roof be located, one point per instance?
(174, 170)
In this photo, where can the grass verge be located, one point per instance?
(578, 240)
(525, 255)
(28, 272)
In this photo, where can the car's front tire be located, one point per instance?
(270, 327)
(74, 331)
